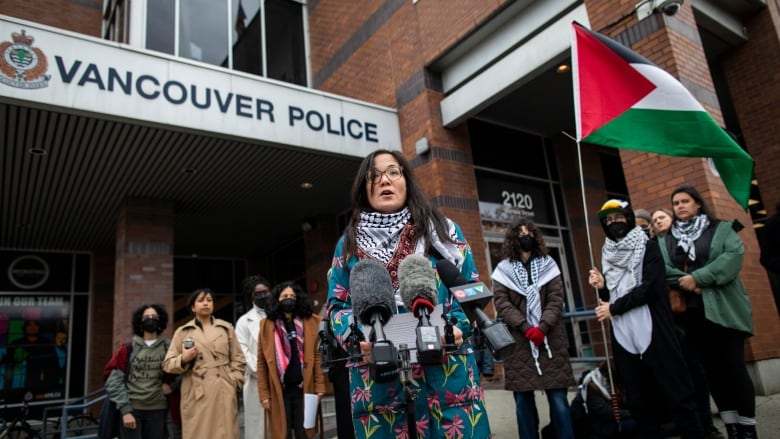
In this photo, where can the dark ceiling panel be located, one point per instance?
(231, 197)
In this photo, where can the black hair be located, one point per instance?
(248, 287)
(138, 315)
(194, 296)
(511, 247)
(420, 209)
(302, 306)
(690, 190)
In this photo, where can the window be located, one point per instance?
(161, 25)
(115, 20)
(261, 37)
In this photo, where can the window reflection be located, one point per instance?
(286, 52)
(266, 37)
(160, 25)
(247, 37)
(202, 33)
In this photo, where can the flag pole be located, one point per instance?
(613, 394)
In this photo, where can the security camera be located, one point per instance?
(670, 7)
(647, 8)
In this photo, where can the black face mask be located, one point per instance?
(527, 243)
(287, 305)
(261, 301)
(150, 325)
(618, 229)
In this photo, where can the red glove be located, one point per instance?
(535, 335)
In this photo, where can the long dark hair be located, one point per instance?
(511, 247)
(690, 190)
(302, 307)
(138, 315)
(419, 207)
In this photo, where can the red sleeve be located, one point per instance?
(117, 361)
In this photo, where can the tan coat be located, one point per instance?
(210, 384)
(268, 381)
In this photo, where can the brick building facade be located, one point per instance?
(439, 65)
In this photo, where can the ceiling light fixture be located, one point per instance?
(189, 171)
(563, 68)
(306, 185)
(39, 152)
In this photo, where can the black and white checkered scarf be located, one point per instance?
(378, 233)
(688, 232)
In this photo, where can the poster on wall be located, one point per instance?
(33, 346)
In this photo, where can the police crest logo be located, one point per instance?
(21, 64)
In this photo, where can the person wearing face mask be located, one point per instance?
(644, 221)
(634, 297)
(288, 361)
(135, 379)
(528, 295)
(257, 292)
(703, 256)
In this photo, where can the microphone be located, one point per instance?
(472, 297)
(417, 285)
(373, 300)
(324, 346)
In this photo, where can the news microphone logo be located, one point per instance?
(473, 297)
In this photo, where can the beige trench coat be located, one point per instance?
(270, 385)
(210, 384)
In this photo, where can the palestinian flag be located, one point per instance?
(623, 100)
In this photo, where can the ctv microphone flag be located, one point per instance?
(622, 100)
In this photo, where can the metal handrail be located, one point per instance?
(64, 415)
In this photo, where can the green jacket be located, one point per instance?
(725, 300)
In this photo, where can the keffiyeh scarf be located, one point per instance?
(282, 345)
(378, 233)
(688, 232)
(599, 381)
(622, 263)
(514, 275)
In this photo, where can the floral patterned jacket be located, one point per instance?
(450, 401)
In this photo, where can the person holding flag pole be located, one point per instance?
(622, 100)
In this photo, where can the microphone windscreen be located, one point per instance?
(449, 274)
(371, 290)
(416, 278)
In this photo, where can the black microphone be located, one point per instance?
(472, 297)
(373, 300)
(324, 346)
(417, 285)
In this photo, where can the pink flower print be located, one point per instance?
(455, 399)
(453, 429)
(361, 394)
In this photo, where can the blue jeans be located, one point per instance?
(528, 417)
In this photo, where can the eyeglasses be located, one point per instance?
(392, 172)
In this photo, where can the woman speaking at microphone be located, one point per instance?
(392, 219)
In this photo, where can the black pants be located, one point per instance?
(721, 351)
(149, 424)
(293, 409)
(339, 377)
(659, 378)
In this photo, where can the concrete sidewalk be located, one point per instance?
(501, 412)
